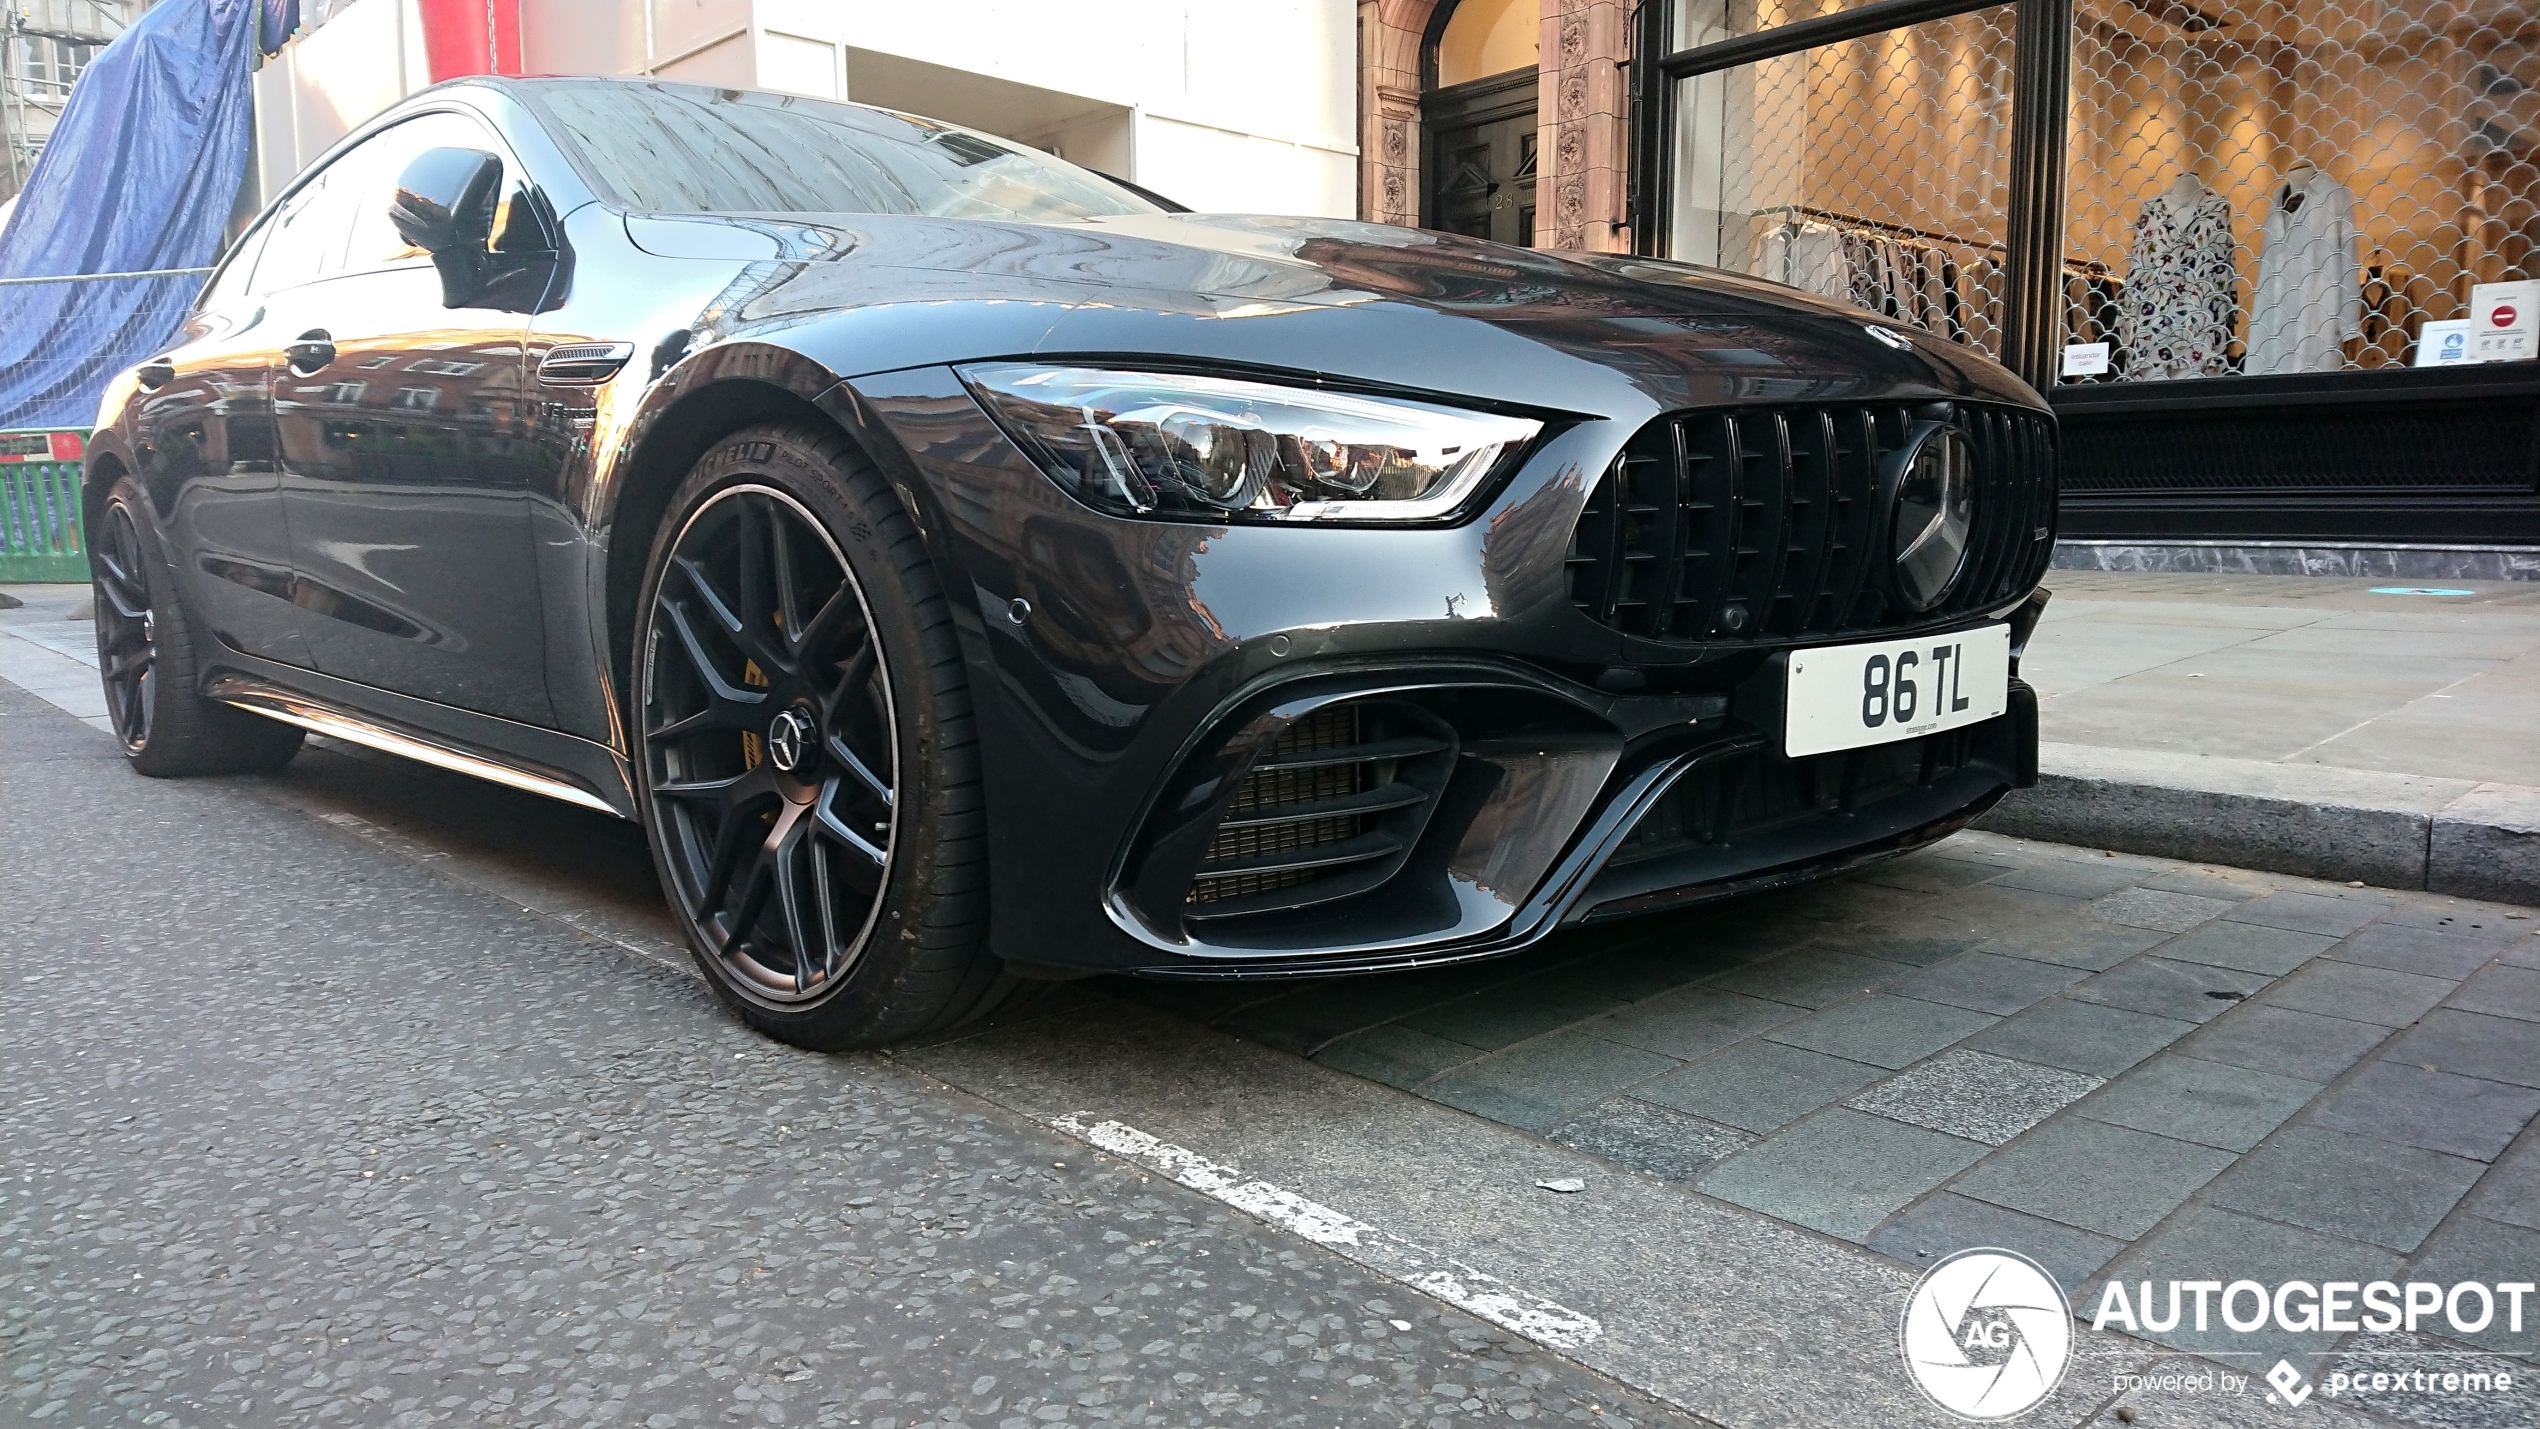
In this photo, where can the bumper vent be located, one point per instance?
(1330, 810)
(1765, 523)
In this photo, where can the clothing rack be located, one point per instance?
(1940, 282)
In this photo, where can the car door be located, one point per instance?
(205, 452)
(404, 456)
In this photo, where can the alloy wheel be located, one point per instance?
(127, 634)
(770, 744)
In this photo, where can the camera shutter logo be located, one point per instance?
(1986, 1334)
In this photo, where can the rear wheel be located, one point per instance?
(151, 661)
(809, 775)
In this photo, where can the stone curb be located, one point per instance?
(2389, 830)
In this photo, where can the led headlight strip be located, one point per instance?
(1180, 447)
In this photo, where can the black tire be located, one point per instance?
(769, 864)
(151, 660)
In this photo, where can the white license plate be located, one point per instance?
(1847, 696)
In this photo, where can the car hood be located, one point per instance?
(1703, 325)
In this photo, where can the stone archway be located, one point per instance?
(1581, 113)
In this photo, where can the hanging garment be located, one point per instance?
(2310, 297)
(1804, 255)
(2181, 289)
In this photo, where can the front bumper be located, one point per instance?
(1564, 771)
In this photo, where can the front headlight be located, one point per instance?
(1216, 449)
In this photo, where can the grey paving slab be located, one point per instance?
(1396, 1056)
(2511, 1190)
(2359, 1187)
(1881, 1030)
(2081, 1036)
(1693, 1022)
(1916, 944)
(1308, 1017)
(2156, 908)
(1975, 1095)
(2206, 1102)
(2105, 1178)
(2424, 951)
(2091, 946)
(1759, 1086)
(2358, 993)
(2186, 992)
(1932, 873)
(1510, 1013)
(2211, 1243)
(2492, 924)
(2247, 947)
(2523, 954)
(2500, 989)
(1651, 1139)
(1841, 1172)
(2465, 1116)
(2073, 877)
(1638, 971)
(2473, 1044)
(1988, 982)
(1811, 976)
(1945, 1223)
(2232, 885)
(2000, 912)
(2305, 912)
(2284, 1041)
(2473, 1248)
(1539, 1085)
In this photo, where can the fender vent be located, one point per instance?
(1329, 810)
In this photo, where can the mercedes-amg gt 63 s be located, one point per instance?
(972, 570)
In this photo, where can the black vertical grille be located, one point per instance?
(1762, 522)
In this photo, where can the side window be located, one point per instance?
(376, 166)
(305, 241)
(232, 283)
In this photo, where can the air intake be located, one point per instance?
(1329, 810)
(1763, 523)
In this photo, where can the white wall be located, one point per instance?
(1233, 105)
(365, 58)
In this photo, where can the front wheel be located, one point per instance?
(809, 774)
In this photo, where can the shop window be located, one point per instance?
(1874, 170)
(2278, 187)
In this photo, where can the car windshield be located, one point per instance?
(675, 148)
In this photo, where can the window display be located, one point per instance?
(2181, 292)
(2310, 301)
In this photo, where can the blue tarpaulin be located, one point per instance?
(139, 176)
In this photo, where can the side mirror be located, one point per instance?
(444, 205)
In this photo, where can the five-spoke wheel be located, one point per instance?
(127, 635)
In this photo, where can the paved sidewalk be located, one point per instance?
(2118, 1065)
(2301, 670)
(2309, 725)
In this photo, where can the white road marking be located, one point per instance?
(1458, 1284)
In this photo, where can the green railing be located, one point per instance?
(39, 507)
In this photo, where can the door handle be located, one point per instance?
(156, 373)
(313, 350)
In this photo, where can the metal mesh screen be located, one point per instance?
(63, 339)
(2263, 187)
(1874, 171)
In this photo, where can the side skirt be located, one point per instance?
(562, 767)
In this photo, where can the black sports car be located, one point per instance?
(972, 570)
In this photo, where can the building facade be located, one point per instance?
(45, 45)
(1218, 106)
(2253, 250)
